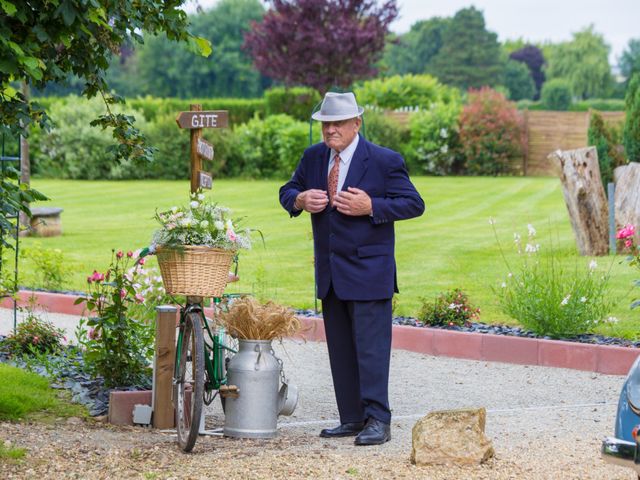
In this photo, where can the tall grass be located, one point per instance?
(451, 246)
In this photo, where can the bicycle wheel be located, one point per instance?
(189, 382)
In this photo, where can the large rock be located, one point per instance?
(451, 437)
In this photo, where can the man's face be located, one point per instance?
(338, 135)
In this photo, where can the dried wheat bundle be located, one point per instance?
(248, 319)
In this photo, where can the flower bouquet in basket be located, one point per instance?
(196, 245)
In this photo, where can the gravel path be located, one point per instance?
(545, 423)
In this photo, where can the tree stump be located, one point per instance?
(627, 197)
(585, 198)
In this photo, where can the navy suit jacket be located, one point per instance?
(356, 254)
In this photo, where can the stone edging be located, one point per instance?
(606, 359)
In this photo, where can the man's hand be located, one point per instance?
(313, 200)
(354, 202)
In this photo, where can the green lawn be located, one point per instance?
(28, 395)
(451, 245)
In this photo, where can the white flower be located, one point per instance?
(516, 237)
(453, 306)
(583, 299)
(194, 204)
(491, 221)
(174, 209)
(204, 224)
(504, 284)
(565, 300)
(612, 320)
(510, 275)
(200, 197)
(219, 225)
(532, 231)
(531, 248)
(593, 265)
(444, 149)
(443, 133)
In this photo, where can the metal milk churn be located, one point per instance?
(257, 372)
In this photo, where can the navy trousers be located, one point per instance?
(359, 343)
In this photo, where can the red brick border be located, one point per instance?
(611, 360)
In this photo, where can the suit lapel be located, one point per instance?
(358, 165)
(324, 180)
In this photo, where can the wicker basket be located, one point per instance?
(194, 270)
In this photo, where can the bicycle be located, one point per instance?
(200, 369)
(200, 365)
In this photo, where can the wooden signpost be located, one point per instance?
(196, 119)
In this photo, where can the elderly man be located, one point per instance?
(354, 191)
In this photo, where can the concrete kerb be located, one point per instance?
(605, 359)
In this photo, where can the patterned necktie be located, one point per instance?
(333, 177)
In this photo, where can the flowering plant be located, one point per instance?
(449, 309)
(547, 296)
(627, 234)
(200, 223)
(116, 346)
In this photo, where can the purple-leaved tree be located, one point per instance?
(320, 43)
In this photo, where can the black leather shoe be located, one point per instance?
(344, 430)
(374, 432)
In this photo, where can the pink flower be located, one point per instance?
(36, 339)
(129, 254)
(93, 334)
(119, 254)
(142, 261)
(231, 235)
(627, 231)
(123, 293)
(95, 277)
(628, 243)
(139, 298)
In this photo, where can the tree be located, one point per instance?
(320, 43)
(470, 55)
(165, 70)
(584, 62)
(533, 58)
(517, 79)
(556, 94)
(412, 52)
(630, 59)
(631, 132)
(46, 40)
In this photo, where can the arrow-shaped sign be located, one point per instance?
(205, 149)
(206, 119)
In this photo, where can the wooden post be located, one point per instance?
(627, 196)
(164, 360)
(196, 161)
(585, 198)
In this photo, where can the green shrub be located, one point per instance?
(240, 110)
(550, 298)
(448, 309)
(73, 149)
(606, 140)
(386, 131)
(433, 140)
(271, 148)
(492, 136)
(405, 91)
(297, 102)
(631, 133)
(47, 270)
(556, 94)
(600, 104)
(34, 335)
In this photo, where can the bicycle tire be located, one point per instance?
(189, 382)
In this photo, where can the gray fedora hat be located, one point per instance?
(338, 106)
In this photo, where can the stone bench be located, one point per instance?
(46, 222)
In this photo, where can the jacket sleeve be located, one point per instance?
(290, 190)
(401, 201)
